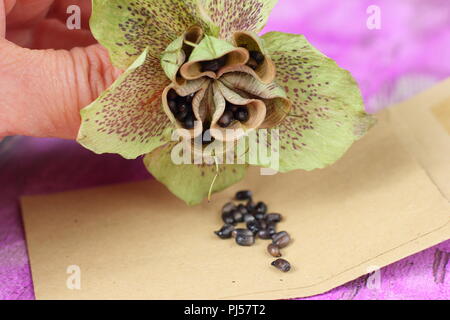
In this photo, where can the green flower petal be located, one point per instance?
(127, 118)
(237, 15)
(211, 48)
(327, 115)
(172, 58)
(127, 27)
(191, 182)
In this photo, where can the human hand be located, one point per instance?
(48, 72)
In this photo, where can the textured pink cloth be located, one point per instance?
(413, 40)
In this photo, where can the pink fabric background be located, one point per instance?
(408, 53)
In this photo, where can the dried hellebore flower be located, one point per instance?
(199, 66)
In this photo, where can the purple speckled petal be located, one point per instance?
(128, 118)
(327, 113)
(238, 15)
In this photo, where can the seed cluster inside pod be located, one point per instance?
(258, 224)
(256, 59)
(181, 107)
(233, 113)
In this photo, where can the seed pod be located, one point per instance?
(254, 226)
(261, 207)
(228, 218)
(241, 232)
(281, 265)
(243, 195)
(274, 250)
(238, 216)
(225, 231)
(281, 239)
(273, 217)
(264, 234)
(248, 217)
(228, 207)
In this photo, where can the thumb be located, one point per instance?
(42, 91)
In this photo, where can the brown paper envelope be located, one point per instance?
(382, 202)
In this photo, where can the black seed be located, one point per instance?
(257, 56)
(172, 95)
(254, 226)
(260, 216)
(250, 205)
(245, 240)
(241, 232)
(232, 107)
(281, 265)
(173, 106)
(271, 228)
(242, 209)
(264, 234)
(226, 119)
(274, 250)
(189, 122)
(243, 195)
(190, 97)
(252, 63)
(261, 207)
(248, 217)
(228, 207)
(241, 114)
(213, 65)
(181, 115)
(225, 231)
(273, 217)
(228, 218)
(238, 216)
(183, 106)
(281, 239)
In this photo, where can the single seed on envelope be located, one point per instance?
(281, 265)
(243, 195)
(225, 231)
(274, 250)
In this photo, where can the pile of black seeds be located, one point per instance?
(259, 224)
(233, 112)
(181, 107)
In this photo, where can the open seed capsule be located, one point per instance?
(281, 265)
